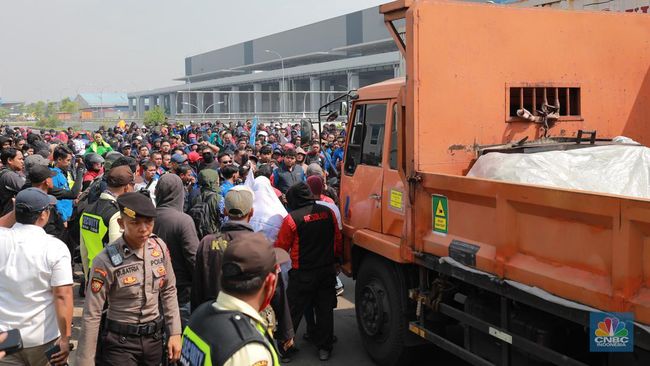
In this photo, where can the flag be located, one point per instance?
(253, 131)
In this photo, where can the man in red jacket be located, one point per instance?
(311, 234)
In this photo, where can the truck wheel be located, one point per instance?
(381, 316)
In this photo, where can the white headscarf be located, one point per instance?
(268, 211)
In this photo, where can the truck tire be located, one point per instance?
(380, 311)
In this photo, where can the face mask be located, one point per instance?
(269, 296)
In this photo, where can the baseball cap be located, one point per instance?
(249, 256)
(262, 133)
(33, 200)
(239, 201)
(39, 173)
(178, 158)
(193, 157)
(34, 160)
(119, 176)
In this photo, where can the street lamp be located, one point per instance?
(191, 105)
(282, 86)
(213, 104)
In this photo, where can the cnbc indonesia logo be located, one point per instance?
(611, 333)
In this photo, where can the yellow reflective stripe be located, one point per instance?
(188, 334)
(70, 180)
(93, 231)
(261, 329)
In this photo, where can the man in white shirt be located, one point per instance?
(35, 283)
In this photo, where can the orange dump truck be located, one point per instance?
(495, 272)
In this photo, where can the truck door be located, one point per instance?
(394, 193)
(362, 178)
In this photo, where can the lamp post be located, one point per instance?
(191, 105)
(213, 104)
(282, 86)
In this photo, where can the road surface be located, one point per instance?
(347, 351)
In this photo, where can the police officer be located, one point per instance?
(98, 224)
(134, 275)
(230, 331)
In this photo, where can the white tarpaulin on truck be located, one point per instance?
(615, 169)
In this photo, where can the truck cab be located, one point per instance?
(372, 193)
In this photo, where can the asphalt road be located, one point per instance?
(347, 351)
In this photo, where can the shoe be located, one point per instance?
(285, 355)
(339, 291)
(324, 354)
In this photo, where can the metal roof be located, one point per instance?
(104, 99)
(343, 65)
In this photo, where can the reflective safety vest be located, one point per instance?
(93, 226)
(212, 336)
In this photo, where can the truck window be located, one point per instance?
(367, 137)
(392, 153)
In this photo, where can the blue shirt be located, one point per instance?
(63, 207)
(225, 187)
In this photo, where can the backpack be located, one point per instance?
(200, 214)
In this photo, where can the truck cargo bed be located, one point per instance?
(590, 248)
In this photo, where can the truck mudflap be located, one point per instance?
(506, 290)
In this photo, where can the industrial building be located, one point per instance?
(285, 75)
(102, 105)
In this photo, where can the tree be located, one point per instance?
(69, 106)
(51, 109)
(36, 109)
(4, 113)
(154, 117)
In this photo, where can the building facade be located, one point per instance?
(285, 75)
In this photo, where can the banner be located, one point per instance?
(253, 131)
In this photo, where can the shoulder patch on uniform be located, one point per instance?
(101, 271)
(96, 284)
(261, 363)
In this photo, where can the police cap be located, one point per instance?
(136, 204)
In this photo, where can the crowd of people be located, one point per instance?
(204, 243)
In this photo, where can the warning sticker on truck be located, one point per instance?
(396, 200)
(440, 215)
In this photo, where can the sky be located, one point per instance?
(53, 49)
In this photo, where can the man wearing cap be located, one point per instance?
(230, 330)
(39, 176)
(35, 283)
(134, 275)
(99, 221)
(177, 159)
(238, 207)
